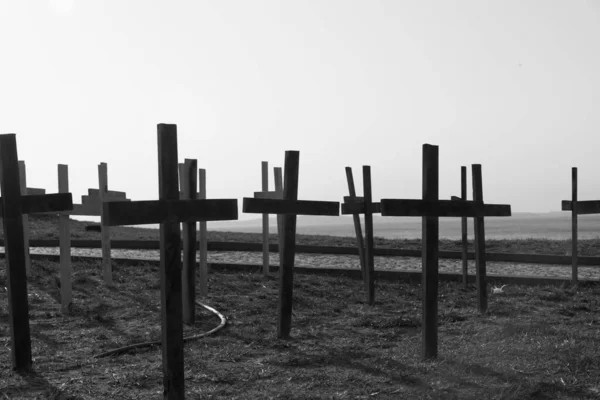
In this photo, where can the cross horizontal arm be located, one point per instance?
(442, 208)
(268, 195)
(356, 205)
(297, 207)
(44, 203)
(583, 207)
(158, 211)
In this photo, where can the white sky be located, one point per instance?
(513, 85)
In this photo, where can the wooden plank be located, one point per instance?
(86, 209)
(202, 241)
(265, 218)
(479, 230)
(170, 265)
(442, 208)
(189, 186)
(286, 263)
(268, 195)
(95, 193)
(575, 209)
(278, 175)
(430, 253)
(148, 211)
(357, 228)
(66, 296)
(35, 191)
(583, 207)
(369, 259)
(23, 185)
(46, 203)
(350, 207)
(96, 200)
(295, 207)
(105, 233)
(16, 276)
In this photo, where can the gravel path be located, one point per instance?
(348, 261)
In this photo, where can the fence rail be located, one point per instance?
(333, 250)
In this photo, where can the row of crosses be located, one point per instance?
(170, 211)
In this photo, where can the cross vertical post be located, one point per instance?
(23, 183)
(574, 238)
(66, 296)
(105, 232)
(188, 178)
(265, 218)
(279, 189)
(463, 228)
(202, 240)
(356, 219)
(481, 280)
(15, 254)
(369, 267)
(286, 265)
(430, 253)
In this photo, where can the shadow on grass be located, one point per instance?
(34, 386)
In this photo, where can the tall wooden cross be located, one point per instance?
(291, 207)
(430, 208)
(363, 205)
(14, 205)
(577, 207)
(170, 211)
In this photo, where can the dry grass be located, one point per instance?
(535, 342)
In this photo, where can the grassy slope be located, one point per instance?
(45, 228)
(534, 343)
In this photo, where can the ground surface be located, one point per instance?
(535, 342)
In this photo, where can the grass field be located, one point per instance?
(534, 342)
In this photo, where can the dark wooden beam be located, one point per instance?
(149, 211)
(287, 206)
(442, 208)
(583, 207)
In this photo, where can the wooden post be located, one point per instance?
(13, 206)
(369, 267)
(430, 253)
(430, 209)
(279, 189)
(356, 219)
(66, 297)
(105, 234)
(203, 241)
(23, 183)
(574, 238)
(265, 219)
(465, 242)
(290, 207)
(286, 264)
(169, 211)
(479, 242)
(188, 177)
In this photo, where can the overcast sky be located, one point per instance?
(512, 85)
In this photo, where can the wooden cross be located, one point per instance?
(14, 205)
(170, 211)
(188, 181)
(577, 207)
(291, 207)
(363, 205)
(430, 208)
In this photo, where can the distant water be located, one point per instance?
(553, 227)
(519, 226)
